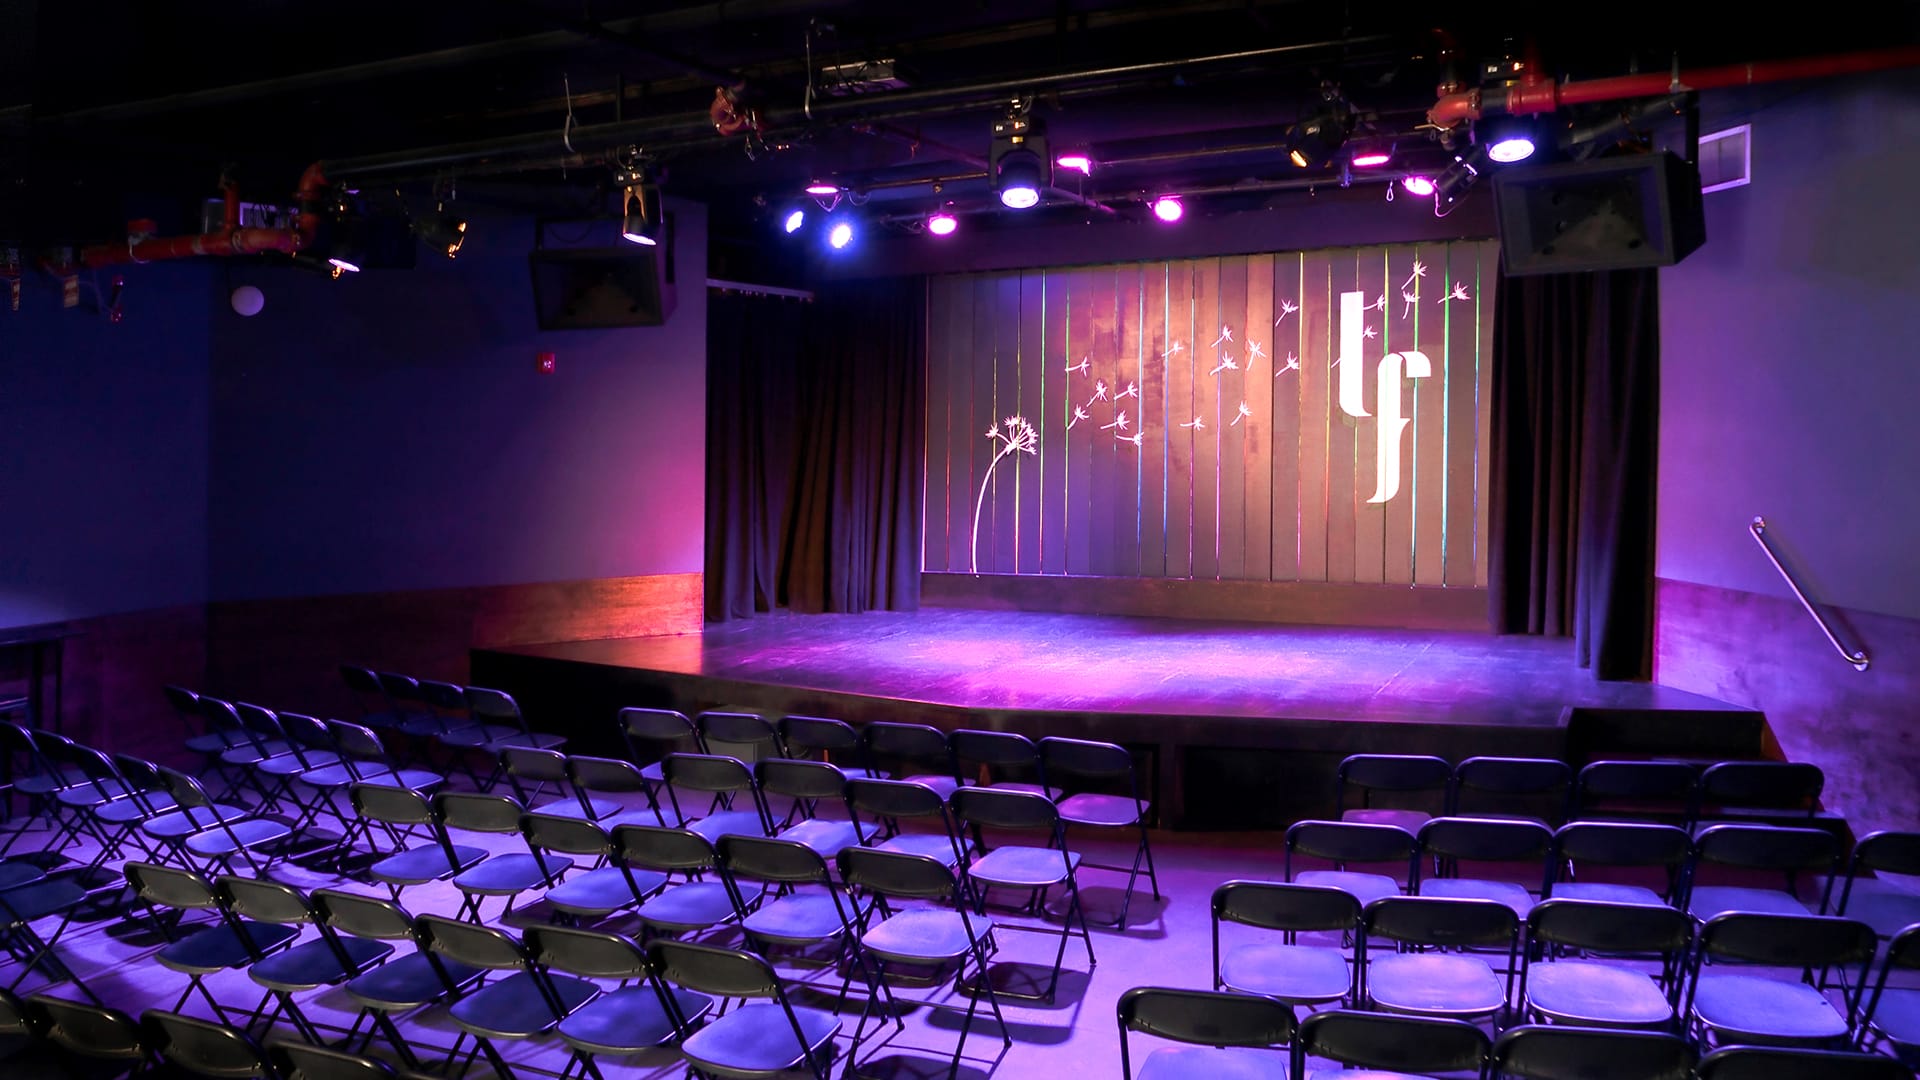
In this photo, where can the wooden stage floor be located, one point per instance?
(1188, 690)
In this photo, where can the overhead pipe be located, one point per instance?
(1538, 94)
(230, 238)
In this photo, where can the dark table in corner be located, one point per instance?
(43, 645)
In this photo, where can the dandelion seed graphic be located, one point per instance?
(1138, 438)
(1380, 302)
(1226, 364)
(1119, 421)
(1225, 335)
(1130, 391)
(1293, 364)
(1411, 299)
(1244, 413)
(1197, 423)
(1172, 349)
(1020, 436)
(1079, 414)
(1099, 391)
(1287, 307)
(1459, 293)
(1419, 271)
(1254, 352)
(1368, 332)
(1085, 365)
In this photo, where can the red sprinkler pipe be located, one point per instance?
(1535, 94)
(229, 239)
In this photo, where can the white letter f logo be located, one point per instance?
(1390, 372)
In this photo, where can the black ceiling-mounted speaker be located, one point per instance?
(1617, 213)
(602, 287)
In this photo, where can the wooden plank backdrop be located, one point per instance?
(1190, 425)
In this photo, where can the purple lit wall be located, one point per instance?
(103, 449)
(390, 431)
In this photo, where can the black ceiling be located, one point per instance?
(118, 106)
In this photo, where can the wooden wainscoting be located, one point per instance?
(1315, 603)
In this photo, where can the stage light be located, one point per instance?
(1168, 208)
(1453, 184)
(840, 235)
(640, 214)
(1018, 161)
(1077, 161)
(347, 249)
(1508, 139)
(942, 224)
(794, 220)
(1421, 186)
(441, 231)
(1312, 142)
(823, 187)
(1019, 180)
(1370, 153)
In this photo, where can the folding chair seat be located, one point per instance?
(1776, 1063)
(1227, 1036)
(404, 984)
(1886, 907)
(1749, 850)
(227, 944)
(1346, 844)
(1735, 1007)
(21, 906)
(312, 751)
(300, 1061)
(1389, 1046)
(35, 776)
(1619, 862)
(808, 786)
(700, 899)
(999, 759)
(890, 805)
(597, 776)
(204, 1047)
(1557, 1052)
(530, 770)
(500, 875)
(594, 893)
(1892, 1013)
(175, 821)
(497, 725)
(265, 739)
(1035, 869)
(364, 759)
(798, 904)
(1520, 849)
(1658, 791)
(104, 1038)
(222, 837)
(402, 813)
(122, 820)
(769, 1038)
(728, 781)
(1407, 778)
(822, 738)
(375, 710)
(1085, 775)
(1776, 792)
(637, 1016)
(744, 735)
(527, 1004)
(651, 734)
(916, 753)
(102, 785)
(1458, 984)
(1531, 789)
(323, 961)
(1578, 969)
(1286, 970)
(934, 937)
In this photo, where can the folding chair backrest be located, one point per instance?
(359, 915)
(186, 790)
(897, 873)
(739, 729)
(184, 701)
(712, 969)
(1385, 1041)
(1659, 789)
(607, 776)
(663, 848)
(707, 772)
(1764, 785)
(1563, 1052)
(1487, 840)
(475, 946)
(1888, 851)
(220, 715)
(143, 777)
(574, 836)
(204, 1047)
(393, 805)
(476, 812)
(661, 730)
(447, 699)
(796, 779)
(360, 680)
(260, 722)
(96, 766)
(357, 741)
(494, 707)
(1443, 921)
(1402, 773)
(1062, 759)
(771, 859)
(1802, 941)
(894, 799)
(1506, 784)
(818, 737)
(1605, 927)
(591, 954)
(1274, 905)
(1779, 1063)
(1003, 809)
(1622, 843)
(922, 744)
(402, 690)
(1206, 1017)
(1769, 847)
(170, 887)
(263, 901)
(1345, 842)
(528, 767)
(306, 732)
(90, 1030)
(998, 753)
(300, 1061)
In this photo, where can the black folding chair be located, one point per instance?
(1099, 790)
(1779, 1063)
(524, 1005)
(404, 984)
(324, 961)
(637, 1016)
(1402, 1044)
(204, 1047)
(1286, 970)
(1225, 1034)
(1559, 1052)
(768, 1038)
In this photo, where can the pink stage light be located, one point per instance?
(1078, 162)
(1418, 185)
(1168, 208)
(1371, 159)
(942, 224)
(821, 187)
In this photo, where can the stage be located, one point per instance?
(1213, 707)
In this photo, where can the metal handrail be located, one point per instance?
(1856, 657)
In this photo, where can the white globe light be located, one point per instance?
(248, 300)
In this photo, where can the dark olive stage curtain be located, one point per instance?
(815, 417)
(1576, 393)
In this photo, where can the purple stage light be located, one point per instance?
(821, 187)
(1168, 208)
(1511, 149)
(794, 221)
(840, 236)
(942, 224)
(1418, 185)
(1371, 159)
(342, 264)
(1080, 163)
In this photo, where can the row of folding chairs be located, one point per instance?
(1405, 789)
(1202, 1033)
